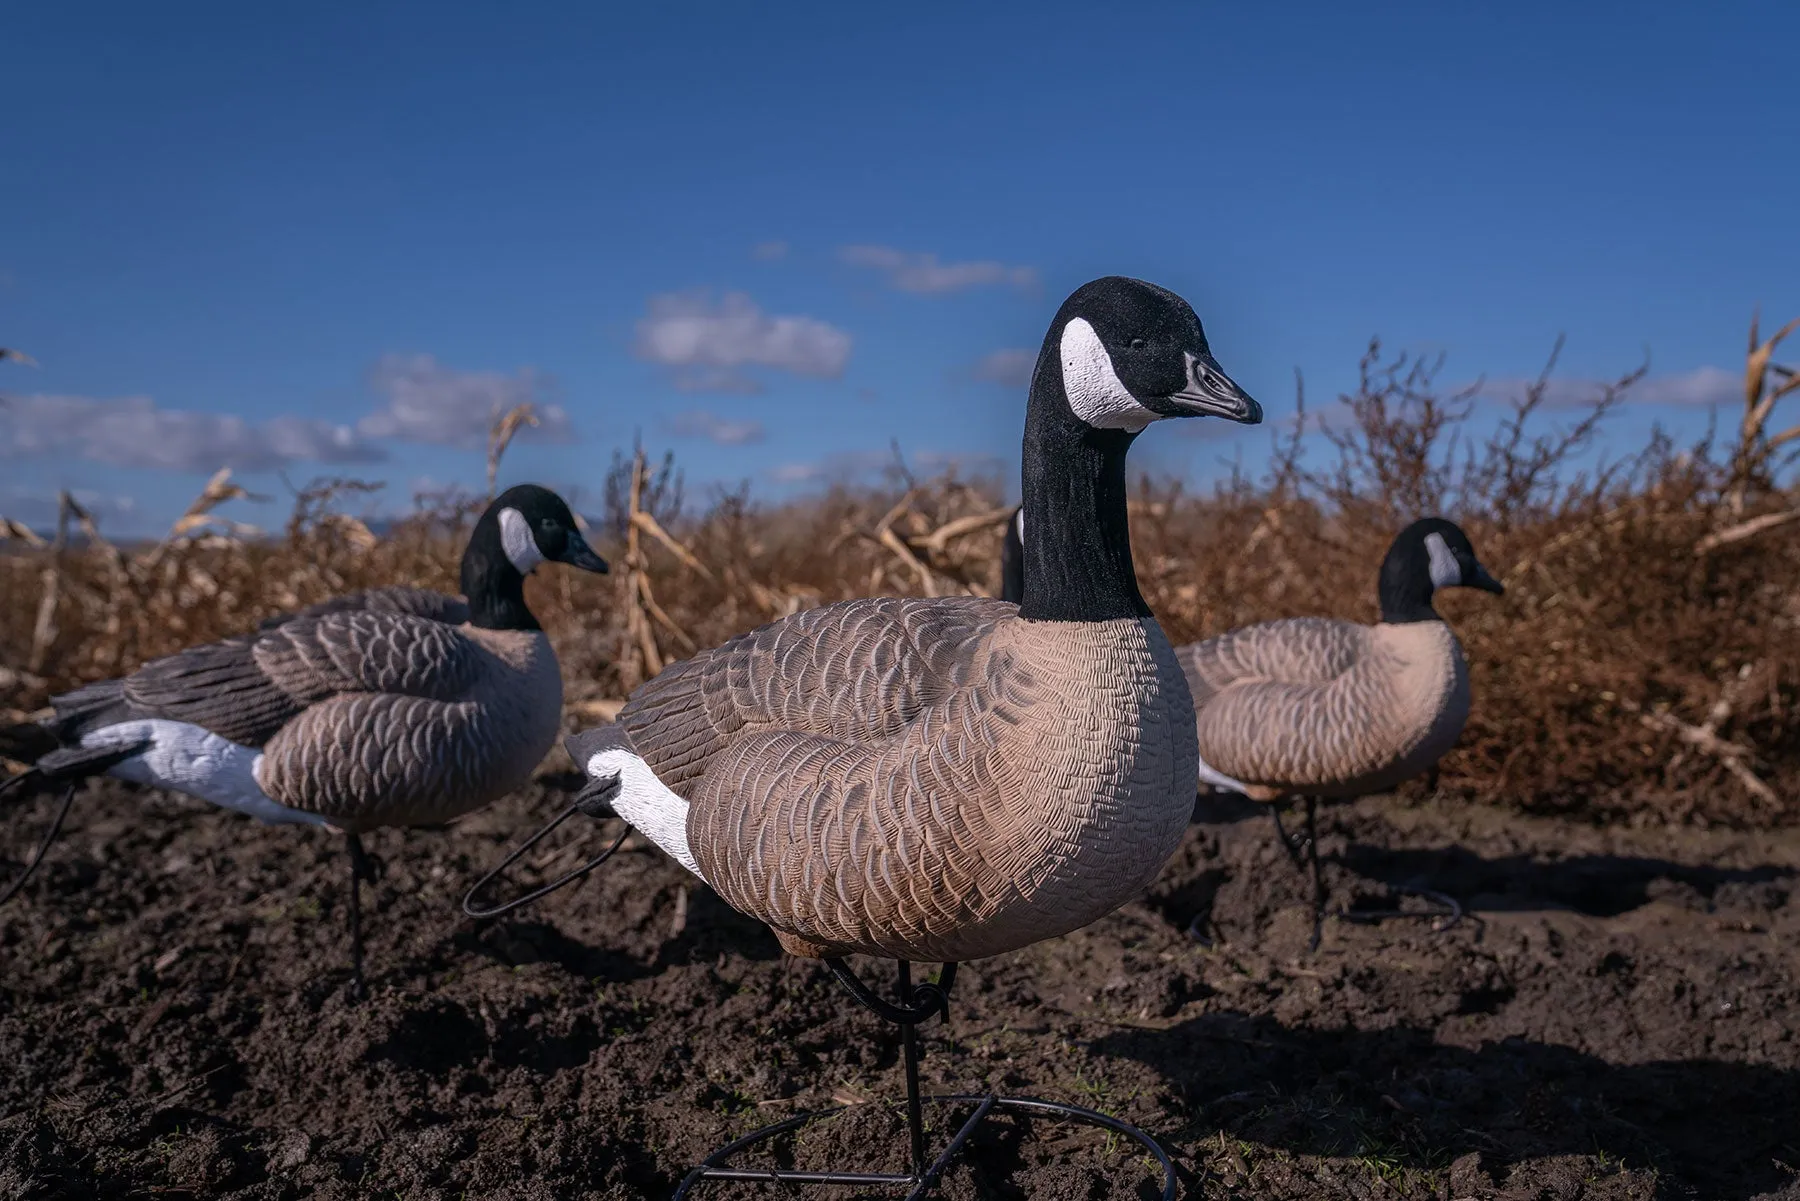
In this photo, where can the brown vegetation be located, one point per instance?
(1644, 661)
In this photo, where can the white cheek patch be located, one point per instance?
(645, 802)
(1446, 572)
(515, 536)
(1096, 394)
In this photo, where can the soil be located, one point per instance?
(1616, 1018)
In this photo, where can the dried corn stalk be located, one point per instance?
(500, 437)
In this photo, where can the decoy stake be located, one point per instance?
(70, 766)
(916, 1004)
(589, 801)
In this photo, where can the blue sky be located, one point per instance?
(327, 239)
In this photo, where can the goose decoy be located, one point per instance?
(1311, 708)
(950, 778)
(391, 707)
(1314, 708)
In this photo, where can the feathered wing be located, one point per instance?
(855, 671)
(1298, 650)
(368, 651)
(866, 777)
(219, 687)
(848, 842)
(246, 688)
(1299, 703)
(415, 602)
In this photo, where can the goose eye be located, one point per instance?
(1136, 344)
(548, 523)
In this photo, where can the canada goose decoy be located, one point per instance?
(1337, 709)
(392, 707)
(951, 778)
(1315, 708)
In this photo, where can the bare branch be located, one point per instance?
(1745, 529)
(18, 531)
(645, 522)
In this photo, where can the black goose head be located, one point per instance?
(1128, 353)
(522, 527)
(1119, 355)
(1429, 554)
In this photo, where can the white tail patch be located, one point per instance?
(1219, 779)
(191, 760)
(646, 802)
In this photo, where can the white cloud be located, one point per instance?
(1701, 386)
(964, 463)
(133, 431)
(698, 423)
(1010, 368)
(430, 403)
(863, 466)
(846, 466)
(924, 273)
(768, 252)
(424, 402)
(1697, 388)
(709, 343)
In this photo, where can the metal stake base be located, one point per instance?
(924, 1175)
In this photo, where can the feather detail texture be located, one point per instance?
(412, 747)
(416, 602)
(926, 779)
(1327, 708)
(367, 717)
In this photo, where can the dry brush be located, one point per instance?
(1644, 663)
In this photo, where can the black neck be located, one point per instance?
(492, 585)
(1405, 588)
(1077, 539)
(1012, 563)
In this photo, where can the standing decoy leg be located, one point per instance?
(1288, 844)
(69, 767)
(43, 847)
(361, 868)
(917, 1003)
(1318, 878)
(1309, 841)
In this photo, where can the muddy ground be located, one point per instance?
(1616, 1020)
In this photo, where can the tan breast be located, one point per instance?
(370, 759)
(1430, 683)
(1038, 797)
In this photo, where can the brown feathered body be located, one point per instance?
(1316, 707)
(930, 780)
(382, 708)
(402, 746)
